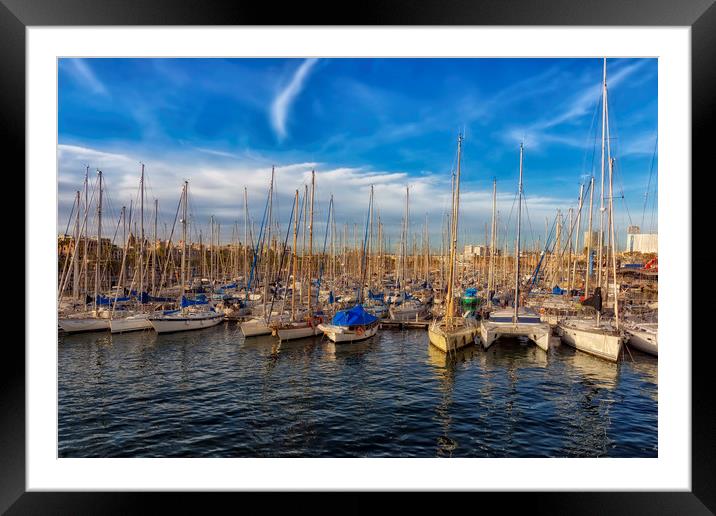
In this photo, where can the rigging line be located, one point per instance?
(621, 186)
(527, 212)
(69, 220)
(651, 171)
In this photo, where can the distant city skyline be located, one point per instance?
(223, 123)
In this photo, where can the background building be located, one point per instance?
(638, 242)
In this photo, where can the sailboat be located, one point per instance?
(259, 325)
(517, 321)
(308, 325)
(408, 308)
(354, 324)
(190, 316)
(96, 319)
(451, 332)
(598, 337)
(134, 320)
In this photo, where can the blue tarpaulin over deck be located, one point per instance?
(353, 317)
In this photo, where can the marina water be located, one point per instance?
(212, 393)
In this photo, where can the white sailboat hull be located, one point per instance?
(255, 328)
(448, 341)
(340, 334)
(81, 324)
(297, 332)
(538, 333)
(407, 314)
(136, 322)
(644, 341)
(175, 324)
(593, 341)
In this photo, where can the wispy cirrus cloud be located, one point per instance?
(281, 105)
(545, 130)
(84, 74)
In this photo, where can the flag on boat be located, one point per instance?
(595, 301)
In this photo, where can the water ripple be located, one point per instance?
(211, 393)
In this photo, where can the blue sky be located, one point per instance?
(222, 124)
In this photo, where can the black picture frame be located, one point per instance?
(700, 15)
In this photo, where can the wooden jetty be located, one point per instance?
(401, 325)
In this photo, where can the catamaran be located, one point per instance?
(517, 321)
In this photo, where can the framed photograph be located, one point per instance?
(416, 255)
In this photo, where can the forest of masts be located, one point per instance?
(135, 257)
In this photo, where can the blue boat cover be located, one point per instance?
(378, 297)
(101, 300)
(353, 316)
(558, 291)
(470, 292)
(200, 300)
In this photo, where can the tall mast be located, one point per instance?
(295, 260)
(183, 238)
(76, 263)
(303, 246)
(613, 243)
(333, 241)
(124, 238)
(453, 233)
(577, 252)
(519, 236)
(86, 232)
(211, 252)
(364, 249)
(370, 249)
(246, 236)
(141, 234)
(268, 246)
(310, 239)
(491, 271)
(154, 248)
(589, 240)
(99, 241)
(601, 196)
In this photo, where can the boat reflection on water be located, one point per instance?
(445, 362)
(591, 370)
(646, 365)
(445, 367)
(513, 353)
(333, 351)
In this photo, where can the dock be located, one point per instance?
(402, 325)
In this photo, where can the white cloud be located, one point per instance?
(282, 103)
(216, 187)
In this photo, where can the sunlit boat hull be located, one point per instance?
(255, 328)
(341, 334)
(448, 340)
(185, 323)
(602, 344)
(500, 324)
(644, 340)
(78, 325)
(138, 322)
(296, 332)
(408, 313)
